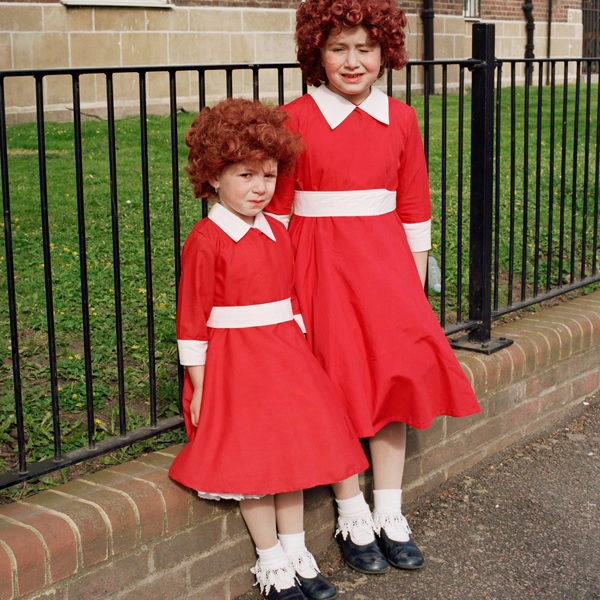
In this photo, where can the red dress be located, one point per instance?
(366, 313)
(271, 420)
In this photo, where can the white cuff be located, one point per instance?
(418, 235)
(192, 352)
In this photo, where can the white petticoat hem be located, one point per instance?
(214, 496)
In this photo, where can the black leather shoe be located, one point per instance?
(402, 555)
(364, 559)
(317, 588)
(293, 593)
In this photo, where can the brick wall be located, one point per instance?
(128, 532)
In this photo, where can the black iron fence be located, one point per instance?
(96, 205)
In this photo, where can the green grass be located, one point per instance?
(530, 188)
(29, 262)
(517, 201)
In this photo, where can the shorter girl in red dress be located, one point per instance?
(263, 419)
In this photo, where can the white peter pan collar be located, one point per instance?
(336, 108)
(234, 227)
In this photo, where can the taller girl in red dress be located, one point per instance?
(361, 231)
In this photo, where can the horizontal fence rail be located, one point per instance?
(96, 204)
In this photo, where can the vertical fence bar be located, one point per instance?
(460, 195)
(427, 122)
(255, 83)
(497, 188)
(175, 199)
(575, 175)
(538, 180)
(482, 171)
(513, 163)
(83, 271)
(427, 16)
(114, 205)
(10, 285)
(586, 171)
(202, 104)
(563, 176)
(147, 247)
(444, 195)
(51, 330)
(550, 250)
(596, 177)
(280, 86)
(229, 82)
(525, 172)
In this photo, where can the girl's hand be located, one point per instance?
(421, 262)
(196, 374)
(195, 405)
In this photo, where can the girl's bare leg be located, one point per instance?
(289, 511)
(388, 451)
(289, 508)
(348, 488)
(273, 569)
(260, 518)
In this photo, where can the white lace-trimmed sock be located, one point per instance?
(273, 569)
(387, 500)
(387, 514)
(302, 560)
(355, 519)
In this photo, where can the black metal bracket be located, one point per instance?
(485, 347)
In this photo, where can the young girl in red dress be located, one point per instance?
(263, 419)
(361, 232)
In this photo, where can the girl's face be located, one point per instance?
(245, 188)
(352, 63)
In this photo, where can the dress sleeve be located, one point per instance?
(413, 201)
(195, 299)
(280, 206)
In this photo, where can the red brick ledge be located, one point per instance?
(129, 532)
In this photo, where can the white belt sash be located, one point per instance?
(351, 203)
(250, 315)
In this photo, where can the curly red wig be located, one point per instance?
(316, 20)
(237, 130)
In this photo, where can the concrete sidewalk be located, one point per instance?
(523, 525)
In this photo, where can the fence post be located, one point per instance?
(482, 179)
(427, 16)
